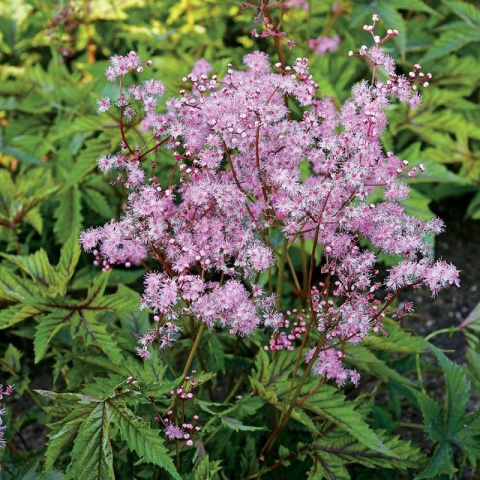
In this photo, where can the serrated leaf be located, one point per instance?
(68, 214)
(238, 426)
(433, 415)
(98, 202)
(338, 448)
(450, 41)
(334, 407)
(363, 359)
(458, 391)
(34, 218)
(87, 159)
(64, 432)
(142, 439)
(207, 470)
(69, 255)
(466, 11)
(398, 340)
(441, 463)
(84, 323)
(92, 456)
(46, 330)
(14, 288)
(36, 265)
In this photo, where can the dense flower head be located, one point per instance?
(241, 160)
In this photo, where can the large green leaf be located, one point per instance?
(92, 456)
(141, 438)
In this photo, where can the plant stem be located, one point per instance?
(194, 349)
(281, 272)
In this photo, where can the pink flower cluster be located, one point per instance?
(240, 158)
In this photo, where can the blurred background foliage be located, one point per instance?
(52, 59)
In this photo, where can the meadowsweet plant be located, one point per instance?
(261, 164)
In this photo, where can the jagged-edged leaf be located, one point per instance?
(36, 265)
(466, 11)
(215, 359)
(14, 288)
(125, 300)
(16, 314)
(47, 328)
(398, 340)
(269, 375)
(433, 415)
(34, 218)
(458, 391)
(69, 255)
(84, 323)
(92, 457)
(98, 202)
(64, 432)
(141, 438)
(98, 287)
(68, 214)
(332, 405)
(449, 424)
(87, 159)
(20, 155)
(238, 426)
(468, 438)
(452, 40)
(338, 448)
(207, 470)
(441, 463)
(363, 359)
(416, 5)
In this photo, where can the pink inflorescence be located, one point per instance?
(290, 330)
(240, 160)
(185, 432)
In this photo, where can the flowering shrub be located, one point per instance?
(268, 232)
(240, 154)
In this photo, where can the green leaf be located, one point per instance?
(64, 432)
(441, 463)
(14, 288)
(466, 11)
(450, 41)
(237, 426)
(337, 449)
(207, 470)
(84, 323)
(68, 214)
(36, 265)
(363, 359)
(46, 330)
(142, 439)
(458, 391)
(433, 415)
(69, 255)
(398, 340)
(20, 155)
(92, 457)
(98, 202)
(334, 407)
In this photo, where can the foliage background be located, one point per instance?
(50, 138)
